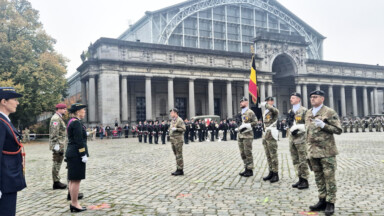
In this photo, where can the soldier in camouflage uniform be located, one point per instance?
(57, 143)
(370, 124)
(245, 138)
(176, 132)
(297, 140)
(377, 123)
(321, 123)
(357, 125)
(345, 125)
(363, 123)
(270, 138)
(351, 125)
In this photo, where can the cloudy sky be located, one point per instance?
(354, 29)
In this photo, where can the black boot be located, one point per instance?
(275, 177)
(248, 173)
(268, 177)
(330, 209)
(303, 184)
(178, 172)
(297, 183)
(80, 196)
(242, 173)
(320, 206)
(59, 185)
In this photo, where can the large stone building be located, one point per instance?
(196, 56)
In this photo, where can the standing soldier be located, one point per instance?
(357, 125)
(57, 143)
(140, 132)
(212, 128)
(321, 123)
(245, 140)
(363, 124)
(156, 129)
(225, 129)
(370, 124)
(270, 139)
(177, 129)
(345, 125)
(351, 125)
(200, 131)
(150, 132)
(297, 141)
(192, 128)
(187, 130)
(378, 124)
(12, 178)
(145, 131)
(163, 129)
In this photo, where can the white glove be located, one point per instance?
(174, 129)
(56, 148)
(0, 194)
(237, 129)
(87, 133)
(84, 159)
(319, 123)
(248, 126)
(262, 104)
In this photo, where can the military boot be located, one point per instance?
(59, 185)
(303, 184)
(80, 196)
(178, 172)
(268, 177)
(242, 173)
(330, 209)
(320, 206)
(248, 173)
(297, 183)
(275, 177)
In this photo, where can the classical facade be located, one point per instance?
(196, 56)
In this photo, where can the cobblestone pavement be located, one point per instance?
(135, 179)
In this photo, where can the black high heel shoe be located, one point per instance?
(74, 209)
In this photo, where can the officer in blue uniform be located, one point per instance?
(12, 177)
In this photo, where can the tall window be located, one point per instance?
(181, 105)
(140, 109)
(217, 107)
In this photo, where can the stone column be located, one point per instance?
(376, 101)
(365, 101)
(246, 89)
(330, 96)
(262, 92)
(270, 93)
(211, 100)
(84, 95)
(108, 97)
(148, 97)
(229, 99)
(298, 88)
(192, 106)
(354, 101)
(305, 95)
(92, 100)
(170, 94)
(342, 98)
(124, 99)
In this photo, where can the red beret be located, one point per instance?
(61, 106)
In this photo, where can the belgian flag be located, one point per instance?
(254, 91)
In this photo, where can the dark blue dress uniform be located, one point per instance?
(12, 177)
(77, 147)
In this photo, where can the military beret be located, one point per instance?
(76, 106)
(174, 110)
(296, 94)
(8, 93)
(61, 106)
(243, 99)
(317, 92)
(269, 99)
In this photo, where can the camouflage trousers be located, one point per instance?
(57, 161)
(325, 169)
(245, 146)
(177, 147)
(299, 158)
(270, 148)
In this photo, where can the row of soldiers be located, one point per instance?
(363, 123)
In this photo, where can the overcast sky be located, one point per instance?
(354, 29)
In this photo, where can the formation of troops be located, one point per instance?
(356, 125)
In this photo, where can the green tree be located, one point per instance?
(28, 61)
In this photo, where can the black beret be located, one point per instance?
(243, 99)
(296, 94)
(317, 92)
(76, 106)
(269, 99)
(174, 110)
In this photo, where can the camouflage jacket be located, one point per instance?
(271, 116)
(248, 117)
(321, 142)
(177, 123)
(57, 133)
(299, 119)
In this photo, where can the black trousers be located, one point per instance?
(200, 133)
(140, 138)
(150, 139)
(186, 138)
(145, 138)
(8, 204)
(225, 135)
(191, 136)
(212, 135)
(163, 138)
(156, 139)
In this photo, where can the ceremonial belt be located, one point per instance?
(21, 147)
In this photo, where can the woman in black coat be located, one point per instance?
(76, 154)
